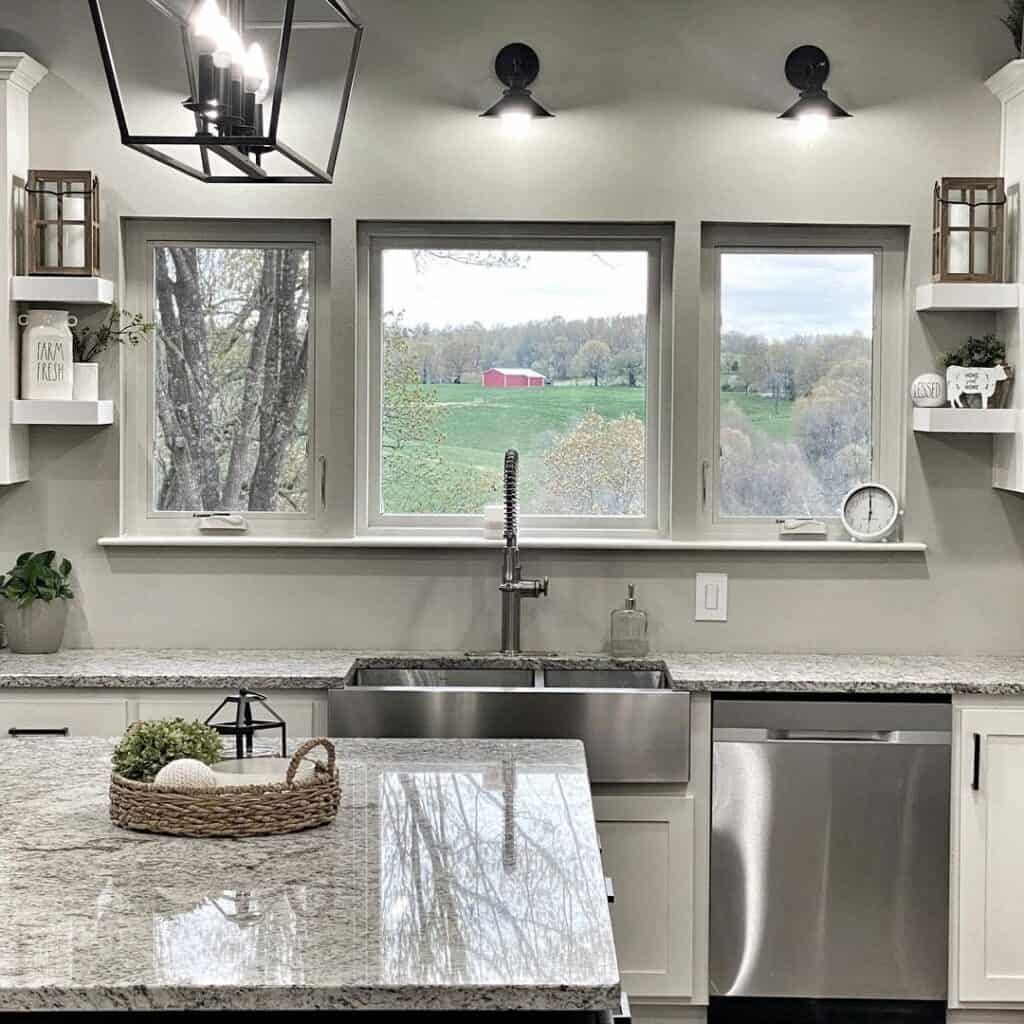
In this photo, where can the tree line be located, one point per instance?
(605, 350)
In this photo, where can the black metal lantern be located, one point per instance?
(244, 725)
(517, 66)
(232, 96)
(807, 70)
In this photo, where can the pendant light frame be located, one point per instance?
(232, 149)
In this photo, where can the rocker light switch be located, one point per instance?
(712, 597)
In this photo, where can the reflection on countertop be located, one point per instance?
(458, 875)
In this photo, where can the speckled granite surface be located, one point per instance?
(835, 673)
(458, 875)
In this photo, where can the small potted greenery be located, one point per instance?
(149, 746)
(34, 597)
(92, 340)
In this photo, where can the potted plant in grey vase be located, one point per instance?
(34, 597)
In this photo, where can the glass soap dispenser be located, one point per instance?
(629, 628)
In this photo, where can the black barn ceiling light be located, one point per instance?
(232, 96)
(807, 70)
(517, 66)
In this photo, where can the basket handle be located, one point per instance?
(303, 750)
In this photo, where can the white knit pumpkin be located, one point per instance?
(186, 773)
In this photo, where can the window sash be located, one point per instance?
(139, 517)
(375, 238)
(888, 371)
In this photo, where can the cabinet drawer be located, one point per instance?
(103, 717)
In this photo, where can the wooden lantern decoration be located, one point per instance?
(969, 219)
(62, 223)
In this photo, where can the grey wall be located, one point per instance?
(664, 113)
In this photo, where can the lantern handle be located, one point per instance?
(964, 202)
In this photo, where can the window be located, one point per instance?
(544, 338)
(802, 328)
(221, 411)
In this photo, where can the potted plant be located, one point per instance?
(34, 599)
(91, 341)
(977, 374)
(149, 746)
(1014, 22)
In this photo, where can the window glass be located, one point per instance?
(231, 388)
(795, 346)
(541, 350)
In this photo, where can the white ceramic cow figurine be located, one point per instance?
(972, 380)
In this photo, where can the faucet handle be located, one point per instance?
(542, 586)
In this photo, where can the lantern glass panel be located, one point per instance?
(982, 211)
(74, 200)
(959, 212)
(47, 236)
(959, 258)
(74, 246)
(47, 201)
(981, 265)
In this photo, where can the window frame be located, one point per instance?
(373, 237)
(888, 245)
(143, 235)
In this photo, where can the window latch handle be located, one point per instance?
(221, 522)
(323, 482)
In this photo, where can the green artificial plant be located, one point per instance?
(118, 328)
(985, 351)
(147, 746)
(1014, 21)
(34, 578)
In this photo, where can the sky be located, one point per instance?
(573, 285)
(777, 295)
(774, 295)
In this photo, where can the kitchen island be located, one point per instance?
(458, 876)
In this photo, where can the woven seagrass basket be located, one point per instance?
(232, 811)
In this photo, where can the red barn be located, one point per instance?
(503, 377)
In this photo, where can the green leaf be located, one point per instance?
(65, 567)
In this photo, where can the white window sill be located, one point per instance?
(551, 543)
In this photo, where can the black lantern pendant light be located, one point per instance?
(234, 98)
(807, 69)
(517, 66)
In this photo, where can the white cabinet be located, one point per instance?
(91, 716)
(988, 855)
(647, 847)
(301, 714)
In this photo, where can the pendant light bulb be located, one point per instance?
(515, 124)
(812, 125)
(207, 26)
(255, 71)
(235, 47)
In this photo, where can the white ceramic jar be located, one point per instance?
(47, 354)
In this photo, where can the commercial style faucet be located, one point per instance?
(513, 587)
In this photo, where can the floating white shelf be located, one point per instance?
(940, 297)
(966, 421)
(67, 414)
(98, 291)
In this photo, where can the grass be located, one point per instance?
(775, 423)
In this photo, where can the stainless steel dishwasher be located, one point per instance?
(830, 850)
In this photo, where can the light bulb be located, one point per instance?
(235, 47)
(812, 125)
(255, 72)
(206, 26)
(515, 124)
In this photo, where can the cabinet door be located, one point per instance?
(647, 846)
(89, 717)
(991, 849)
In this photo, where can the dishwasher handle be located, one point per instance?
(832, 735)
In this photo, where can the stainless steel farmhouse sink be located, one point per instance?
(634, 726)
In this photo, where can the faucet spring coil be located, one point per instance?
(511, 494)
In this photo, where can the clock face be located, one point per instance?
(870, 512)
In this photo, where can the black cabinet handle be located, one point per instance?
(976, 774)
(65, 731)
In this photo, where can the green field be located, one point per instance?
(775, 423)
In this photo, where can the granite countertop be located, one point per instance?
(458, 875)
(708, 672)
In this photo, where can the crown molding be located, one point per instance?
(22, 70)
(1008, 81)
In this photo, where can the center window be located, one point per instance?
(546, 341)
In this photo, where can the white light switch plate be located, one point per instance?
(712, 597)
